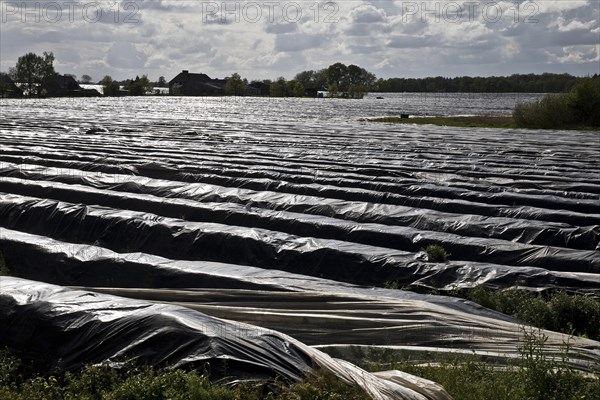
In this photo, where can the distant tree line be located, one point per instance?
(530, 83)
(338, 80)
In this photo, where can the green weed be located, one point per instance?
(436, 253)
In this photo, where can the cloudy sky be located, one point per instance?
(266, 39)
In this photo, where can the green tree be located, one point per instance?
(358, 91)
(110, 86)
(6, 88)
(305, 78)
(278, 88)
(333, 89)
(320, 79)
(355, 74)
(312, 79)
(295, 89)
(235, 86)
(86, 78)
(32, 69)
(140, 86)
(337, 74)
(162, 82)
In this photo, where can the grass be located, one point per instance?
(463, 122)
(479, 122)
(143, 382)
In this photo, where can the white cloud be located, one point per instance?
(125, 56)
(576, 55)
(554, 6)
(574, 25)
(367, 14)
(386, 37)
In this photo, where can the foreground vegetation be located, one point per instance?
(558, 311)
(146, 383)
(534, 376)
(436, 253)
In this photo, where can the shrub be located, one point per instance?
(579, 107)
(584, 102)
(552, 111)
(142, 382)
(580, 314)
(571, 314)
(9, 369)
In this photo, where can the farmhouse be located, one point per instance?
(186, 84)
(65, 86)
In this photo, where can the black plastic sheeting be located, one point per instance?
(70, 264)
(331, 315)
(56, 328)
(53, 328)
(127, 231)
(214, 205)
(515, 223)
(247, 213)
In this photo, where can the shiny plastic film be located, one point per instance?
(271, 235)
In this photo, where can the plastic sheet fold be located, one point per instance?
(53, 328)
(263, 232)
